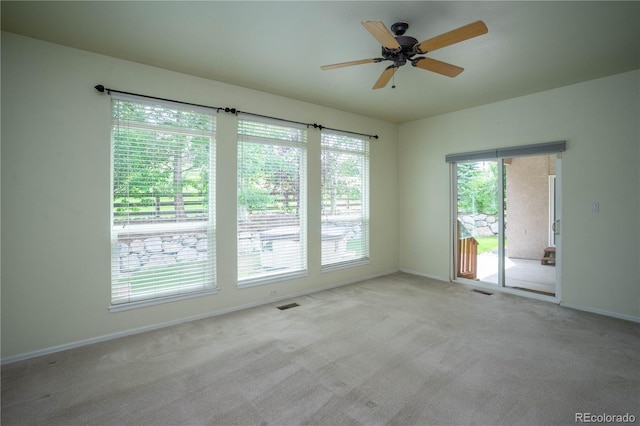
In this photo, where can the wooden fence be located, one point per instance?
(467, 256)
(152, 208)
(147, 208)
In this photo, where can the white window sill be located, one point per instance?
(271, 279)
(161, 300)
(345, 265)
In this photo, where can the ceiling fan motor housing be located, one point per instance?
(406, 52)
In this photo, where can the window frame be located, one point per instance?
(178, 290)
(365, 155)
(244, 137)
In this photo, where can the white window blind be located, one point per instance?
(162, 217)
(345, 199)
(272, 202)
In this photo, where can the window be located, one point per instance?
(162, 216)
(345, 200)
(271, 202)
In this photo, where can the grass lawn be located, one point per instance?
(487, 244)
(355, 245)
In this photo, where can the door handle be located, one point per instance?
(555, 228)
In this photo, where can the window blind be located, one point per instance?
(345, 199)
(162, 216)
(272, 202)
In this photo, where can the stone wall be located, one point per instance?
(161, 251)
(478, 225)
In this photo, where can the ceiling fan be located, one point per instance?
(401, 49)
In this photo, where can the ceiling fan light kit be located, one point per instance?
(400, 49)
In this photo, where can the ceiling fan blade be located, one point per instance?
(382, 34)
(350, 63)
(439, 67)
(385, 77)
(454, 36)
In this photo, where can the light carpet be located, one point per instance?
(399, 350)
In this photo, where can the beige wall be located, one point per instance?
(599, 119)
(56, 194)
(56, 191)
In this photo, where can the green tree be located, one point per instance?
(267, 174)
(160, 152)
(341, 170)
(478, 187)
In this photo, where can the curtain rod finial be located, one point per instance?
(99, 88)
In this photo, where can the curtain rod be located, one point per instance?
(100, 88)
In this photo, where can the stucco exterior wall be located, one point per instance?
(528, 205)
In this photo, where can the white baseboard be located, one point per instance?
(535, 296)
(601, 312)
(112, 336)
(433, 277)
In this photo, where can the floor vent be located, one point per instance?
(289, 306)
(486, 293)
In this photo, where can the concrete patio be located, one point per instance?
(526, 274)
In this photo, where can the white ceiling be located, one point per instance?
(278, 47)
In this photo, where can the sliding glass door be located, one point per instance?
(530, 255)
(478, 220)
(506, 216)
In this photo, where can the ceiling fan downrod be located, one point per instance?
(399, 28)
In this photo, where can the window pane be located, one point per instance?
(271, 201)
(162, 201)
(345, 199)
(477, 220)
